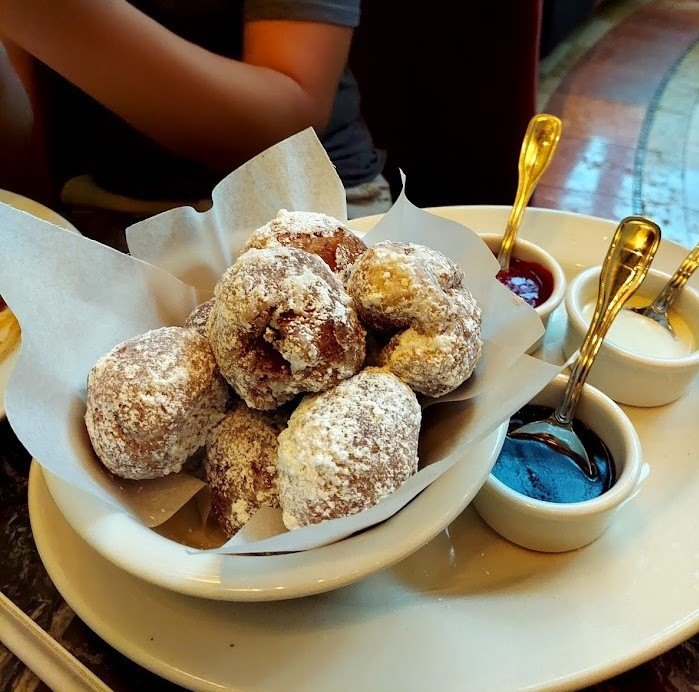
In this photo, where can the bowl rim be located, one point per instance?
(127, 543)
(549, 261)
(574, 312)
(622, 489)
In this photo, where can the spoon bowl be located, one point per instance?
(628, 260)
(659, 308)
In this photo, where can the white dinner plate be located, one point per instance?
(130, 545)
(468, 611)
(30, 206)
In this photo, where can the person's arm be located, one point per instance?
(194, 102)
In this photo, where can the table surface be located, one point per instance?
(25, 581)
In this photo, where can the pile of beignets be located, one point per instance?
(298, 378)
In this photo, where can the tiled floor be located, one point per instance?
(626, 85)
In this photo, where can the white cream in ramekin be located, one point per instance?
(633, 378)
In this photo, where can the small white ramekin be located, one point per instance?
(626, 377)
(530, 252)
(557, 527)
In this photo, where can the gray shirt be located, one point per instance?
(122, 160)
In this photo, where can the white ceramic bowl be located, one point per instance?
(130, 545)
(557, 527)
(528, 251)
(626, 377)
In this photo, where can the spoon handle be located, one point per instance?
(538, 147)
(674, 286)
(628, 259)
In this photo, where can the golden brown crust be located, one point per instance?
(415, 296)
(283, 324)
(199, 318)
(9, 332)
(397, 285)
(152, 402)
(437, 364)
(318, 234)
(347, 448)
(241, 465)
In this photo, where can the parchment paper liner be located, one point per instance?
(75, 299)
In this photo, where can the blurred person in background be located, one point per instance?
(147, 104)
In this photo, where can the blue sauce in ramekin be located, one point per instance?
(536, 470)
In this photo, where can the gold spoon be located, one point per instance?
(628, 259)
(538, 147)
(658, 309)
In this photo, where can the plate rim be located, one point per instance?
(56, 218)
(71, 595)
(140, 655)
(670, 636)
(361, 221)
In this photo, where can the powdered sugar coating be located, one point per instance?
(347, 448)
(316, 233)
(241, 465)
(418, 292)
(152, 402)
(199, 317)
(396, 286)
(283, 324)
(436, 364)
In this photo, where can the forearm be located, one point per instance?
(194, 102)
